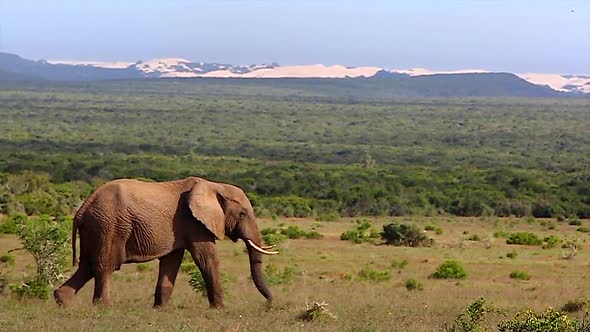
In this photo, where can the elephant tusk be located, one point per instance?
(260, 250)
(268, 247)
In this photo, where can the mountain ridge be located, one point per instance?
(14, 67)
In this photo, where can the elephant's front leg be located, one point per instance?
(169, 266)
(205, 256)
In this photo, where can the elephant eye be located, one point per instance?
(242, 214)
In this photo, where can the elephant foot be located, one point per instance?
(216, 306)
(64, 296)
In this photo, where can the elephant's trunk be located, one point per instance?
(257, 275)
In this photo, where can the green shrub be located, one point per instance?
(364, 231)
(520, 275)
(399, 264)
(374, 275)
(551, 241)
(449, 270)
(583, 229)
(512, 254)
(575, 222)
(293, 232)
(274, 239)
(274, 276)
(9, 225)
(524, 238)
(7, 259)
(472, 320)
(46, 240)
(551, 225)
(404, 235)
(530, 321)
(33, 288)
(412, 284)
(431, 227)
(474, 237)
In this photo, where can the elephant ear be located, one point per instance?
(205, 204)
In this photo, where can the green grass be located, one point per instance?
(358, 304)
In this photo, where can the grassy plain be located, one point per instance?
(327, 270)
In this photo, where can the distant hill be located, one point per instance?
(357, 81)
(44, 70)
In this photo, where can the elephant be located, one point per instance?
(131, 221)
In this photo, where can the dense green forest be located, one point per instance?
(298, 149)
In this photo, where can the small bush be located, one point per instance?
(399, 264)
(449, 270)
(364, 231)
(512, 254)
(10, 224)
(474, 237)
(551, 225)
(293, 232)
(435, 229)
(576, 305)
(574, 222)
(524, 238)
(583, 229)
(39, 289)
(274, 276)
(373, 275)
(412, 284)
(273, 238)
(7, 259)
(472, 320)
(404, 235)
(551, 242)
(520, 275)
(530, 321)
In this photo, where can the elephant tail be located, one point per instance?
(74, 233)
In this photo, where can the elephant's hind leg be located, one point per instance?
(169, 266)
(65, 293)
(102, 287)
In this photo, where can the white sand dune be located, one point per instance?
(178, 67)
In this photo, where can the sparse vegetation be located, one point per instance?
(531, 321)
(364, 231)
(398, 234)
(273, 275)
(520, 275)
(45, 239)
(512, 254)
(449, 270)
(524, 238)
(412, 284)
(369, 274)
(399, 264)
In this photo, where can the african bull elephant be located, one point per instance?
(130, 221)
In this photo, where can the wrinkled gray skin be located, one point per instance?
(129, 221)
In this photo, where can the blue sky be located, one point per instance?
(501, 35)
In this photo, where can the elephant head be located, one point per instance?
(225, 210)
